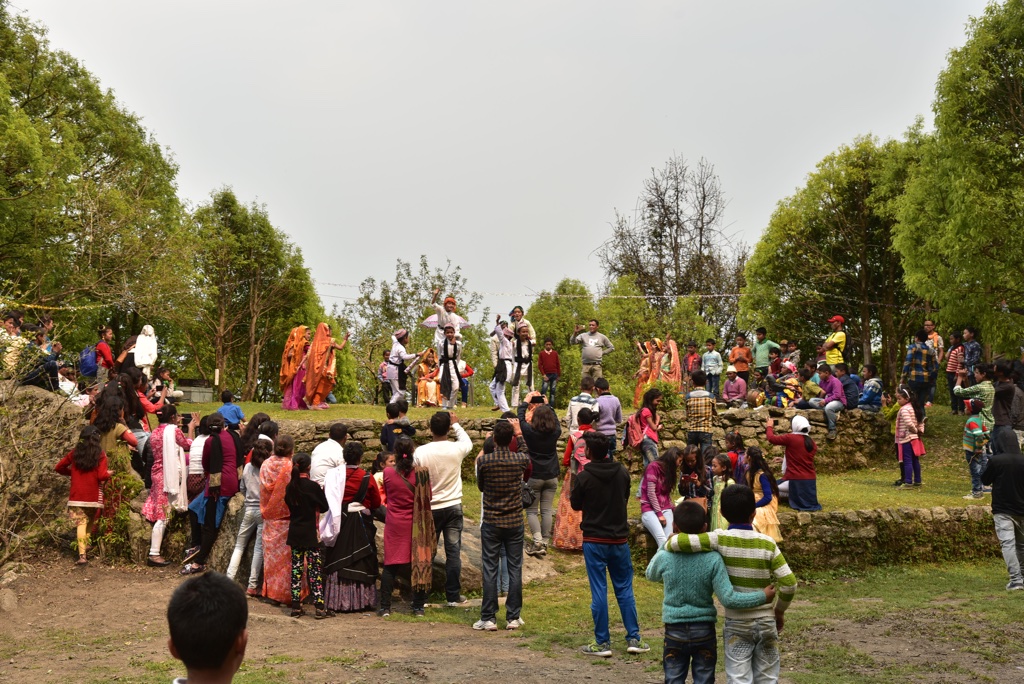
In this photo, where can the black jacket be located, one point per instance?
(302, 531)
(1005, 474)
(601, 492)
(543, 447)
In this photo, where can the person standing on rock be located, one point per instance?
(595, 346)
(443, 459)
(500, 476)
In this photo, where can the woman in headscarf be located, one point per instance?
(146, 351)
(644, 373)
(427, 386)
(169, 491)
(671, 367)
(800, 473)
(350, 564)
(291, 359)
(320, 365)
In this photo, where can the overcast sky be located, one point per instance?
(503, 135)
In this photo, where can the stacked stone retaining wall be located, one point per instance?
(845, 540)
(863, 438)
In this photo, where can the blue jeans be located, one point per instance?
(751, 651)
(464, 389)
(701, 439)
(448, 521)
(616, 560)
(611, 444)
(690, 645)
(714, 386)
(976, 463)
(252, 524)
(548, 386)
(650, 451)
(831, 410)
(493, 540)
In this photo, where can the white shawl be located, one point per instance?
(334, 490)
(145, 347)
(175, 470)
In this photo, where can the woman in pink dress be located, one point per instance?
(159, 505)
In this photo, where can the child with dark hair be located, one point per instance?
(721, 477)
(753, 562)
(688, 609)
(231, 412)
(305, 500)
(394, 427)
(737, 453)
(700, 412)
(207, 619)
(766, 493)
(252, 519)
(86, 465)
(601, 493)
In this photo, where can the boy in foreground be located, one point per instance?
(752, 560)
(601, 493)
(207, 617)
(688, 609)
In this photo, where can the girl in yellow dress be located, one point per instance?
(766, 494)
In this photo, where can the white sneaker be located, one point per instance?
(1014, 586)
(485, 626)
(515, 624)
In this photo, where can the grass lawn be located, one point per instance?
(955, 619)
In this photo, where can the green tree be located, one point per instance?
(254, 287)
(828, 250)
(961, 220)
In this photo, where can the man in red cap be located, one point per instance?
(835, 344)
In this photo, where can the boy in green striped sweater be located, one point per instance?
(753, 562)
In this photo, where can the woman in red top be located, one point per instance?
(86, 465)
(400, 483)
(104, 356)
(799, 468)
(350, 566)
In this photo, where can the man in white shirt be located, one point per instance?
(444, 461)
(329, 454)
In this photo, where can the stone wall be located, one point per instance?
(863, 438)
(856, 540)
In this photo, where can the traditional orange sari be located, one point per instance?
(275, 474)
(642, 376)
(674, 374)
(292, 357)
(320, 367)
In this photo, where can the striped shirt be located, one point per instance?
(753, 561)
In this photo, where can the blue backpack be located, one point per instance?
(87, 362)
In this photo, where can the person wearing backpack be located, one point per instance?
(103, 358)
(567, 535)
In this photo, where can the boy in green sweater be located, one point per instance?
(688, 610)
(752, 560)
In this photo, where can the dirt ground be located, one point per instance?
(105, 624)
